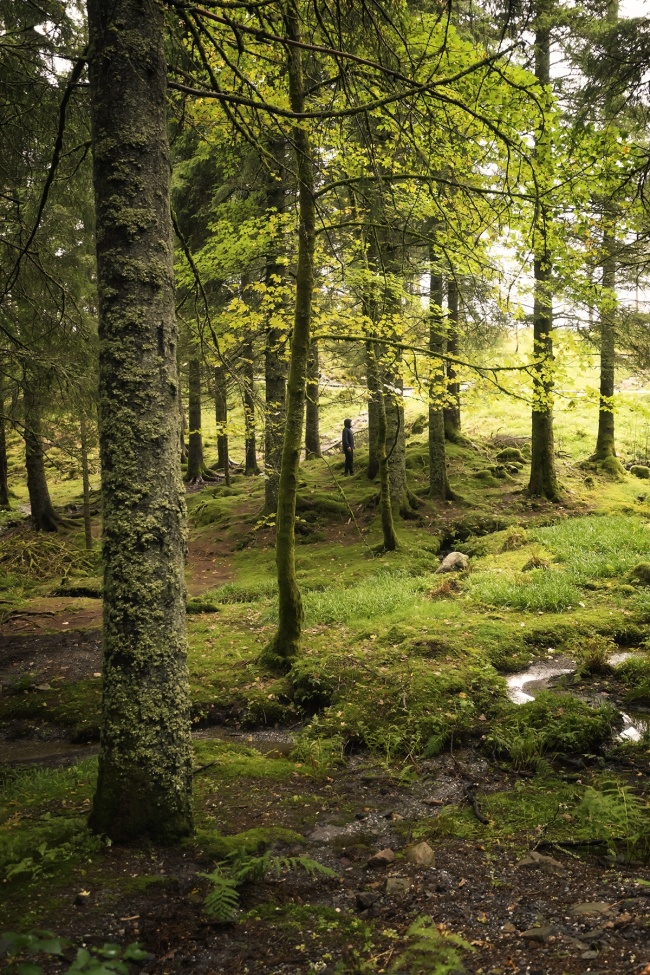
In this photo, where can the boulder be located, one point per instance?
(454, 562)
(640, 471)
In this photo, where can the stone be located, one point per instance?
(382, 858)
(325, 834)
(366, 898)
(443, 882)
(454, 562)
(538, 861)
(509, 928)
(589, 955)
(541, 933)
(640, 471)
(593, 907)
(421, 855)
(398, 885)
(511, 454)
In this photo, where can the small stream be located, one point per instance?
(540, 675)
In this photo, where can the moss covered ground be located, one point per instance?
(398, 700)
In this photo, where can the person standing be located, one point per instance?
(348, 446)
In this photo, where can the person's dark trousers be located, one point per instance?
(349, 462)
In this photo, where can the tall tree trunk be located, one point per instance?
(438, 482)
(275, 360)
(396, 441)
(543, 478)
(44, 516)
(373, 418)
(4, 467)
(251, 467)
(145, 762)
(605, 440)
(221, 415)
(389, 543)
(312, 429)
(85, 479)
(286, 643)
(451, 410)
(195, 463)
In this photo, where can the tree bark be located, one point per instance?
(275, 361)
(543, 478)
(605, 440)
(195, 463)
(145, 767)
(44, 517)
(312, 429)
(251, 467)
(286, 644)
(389, 543)
(373, 419)
(4, 467)
(438, 481)
(221, 415)
(85, 479)
(451, 409)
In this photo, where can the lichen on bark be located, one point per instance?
(144, 781)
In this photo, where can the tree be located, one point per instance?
(144, 781)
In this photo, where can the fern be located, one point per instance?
(223, 900)
(431, 951)
(240, 868)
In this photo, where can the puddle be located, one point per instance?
(526, 685)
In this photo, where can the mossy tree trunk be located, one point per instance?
(312, 427)
(251, 467)
(543, 478)
(275, 354)
(145, 762)
(85, 480)
(286, 643)
(373, 423)
(389, 543)
(44, 517)
(451, 409)
(605, 439)
(438, 481)
(4, 467)
(195, 462)
(221, 416)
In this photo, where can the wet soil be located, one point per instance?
(561, 915)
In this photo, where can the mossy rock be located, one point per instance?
(640, 471)
(321, 503)
(640, 574)
(488, 478)
(511, 454)
(420, 423)
(515, 537)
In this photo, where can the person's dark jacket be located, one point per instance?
(348, 439)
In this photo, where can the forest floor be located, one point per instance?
(391, 804)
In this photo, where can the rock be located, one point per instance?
(421, 855)
(454, 562)
(511, 454)
(593, 907)
(444, 882)
(541, 933)
(82, 898)
(366, 898)
(381, 859)
(509, 928)
(589, 955)
(325, 834)
(537, 861)
(640, 471)
(398, 885)
(43, 687)
(640, 574)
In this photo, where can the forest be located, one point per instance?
(324, 531)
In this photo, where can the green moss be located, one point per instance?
(251, 841)
(511, 454)
(640, 574)
(640, 471)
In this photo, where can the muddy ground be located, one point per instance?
(521, 907)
